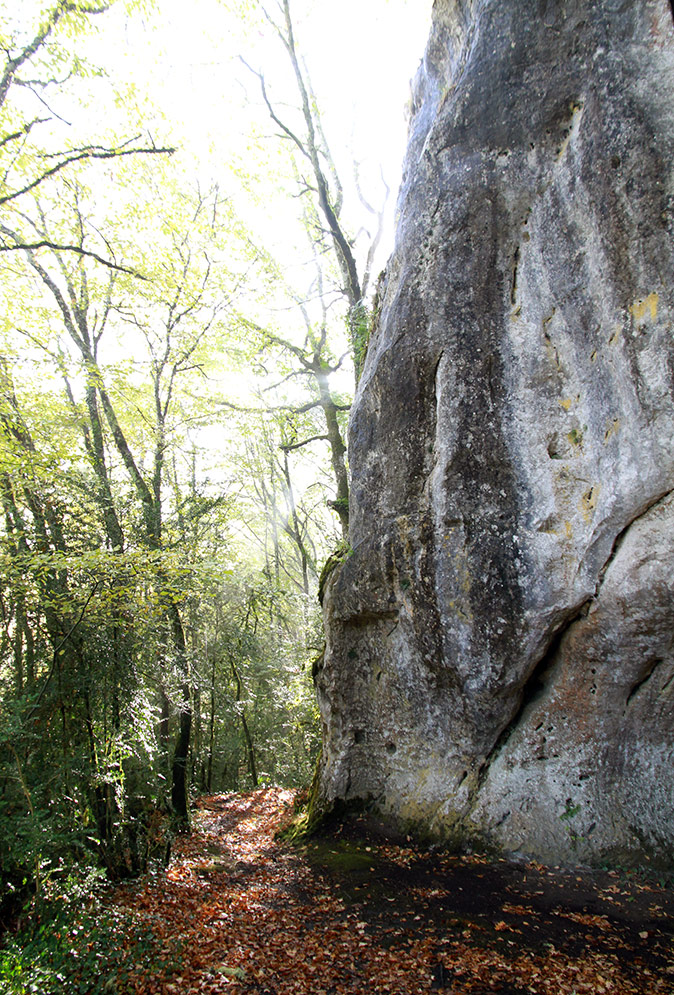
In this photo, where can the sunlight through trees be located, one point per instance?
(174, 389)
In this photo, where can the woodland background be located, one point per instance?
(180, 338)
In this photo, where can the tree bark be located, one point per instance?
(250, 750)
(180, 780)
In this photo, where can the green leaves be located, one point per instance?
(71, 945)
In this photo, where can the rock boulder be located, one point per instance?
(499, 667)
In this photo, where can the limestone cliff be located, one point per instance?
(500, 644)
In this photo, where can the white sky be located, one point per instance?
(361, 56)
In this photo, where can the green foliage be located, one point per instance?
(567, 817)
(360, 326)
(147, 572)
(260, 683)
(338, 556)
(70, 943)
(570, 811)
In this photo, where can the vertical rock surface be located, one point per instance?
(500, 643)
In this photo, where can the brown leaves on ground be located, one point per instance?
(351, 915)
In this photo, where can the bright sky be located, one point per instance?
(361, 56)
(185, 55)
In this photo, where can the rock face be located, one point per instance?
(499, 666)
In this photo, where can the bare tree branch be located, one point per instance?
(379, 215)
(288, 447)
(56, 247)
(272, 113)
(344, 254)
(31, 86)
(299, 409)
(291, 376)
(23, 131)
(94, 152)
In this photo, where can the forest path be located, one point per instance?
(352, 914)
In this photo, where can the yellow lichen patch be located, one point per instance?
(649, 304)
(462, 612)
(576, 111)
(588, 502)
(568, 530)
(612, 429)
(566, 403)
(553, 354)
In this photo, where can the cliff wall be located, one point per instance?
(500, 643)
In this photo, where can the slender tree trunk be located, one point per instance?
(337, 449)
(19, 629)
(30, 652)
(295, 532)
(199, 766)
(211, 731)
(163, 726)
(179, 770)
(64, 732)
(250, 750)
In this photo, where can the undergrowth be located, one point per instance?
(68, 942)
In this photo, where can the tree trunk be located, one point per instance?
(250, 749)
(337, 450)
(211, 731)
(179, 772)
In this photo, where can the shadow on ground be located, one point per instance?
(402, 893)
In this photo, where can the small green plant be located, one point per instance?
(359, 322)
(340, 504)
(569, 813)
(342, 553)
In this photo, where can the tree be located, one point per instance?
(289, 528)
(28, 165)
(174, 319)
(135, 643)
(321, 193)
(313, 364)
(76, 601)
(263, 716)
(319, 180)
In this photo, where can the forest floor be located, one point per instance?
(352, 914)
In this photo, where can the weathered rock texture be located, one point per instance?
(500, 643)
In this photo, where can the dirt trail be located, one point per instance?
(350, 914)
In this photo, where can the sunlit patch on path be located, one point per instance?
(352, 915)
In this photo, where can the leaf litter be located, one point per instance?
(352, 913)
